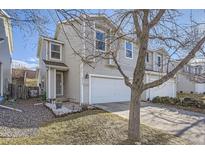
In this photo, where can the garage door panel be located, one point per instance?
(105, 90)
(166, 89)
(200, 87)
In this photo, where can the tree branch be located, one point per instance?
(126, 78)
(136, 23)
(177, 68)
(156, 19)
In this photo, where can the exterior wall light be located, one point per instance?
(86, 76)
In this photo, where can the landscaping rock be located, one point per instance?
(67, 108)
(166, 100)
(26, 123)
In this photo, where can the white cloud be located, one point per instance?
(32, 60)
(23, 64)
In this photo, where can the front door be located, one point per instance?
(59, 83)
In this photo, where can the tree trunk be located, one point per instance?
(134, 116)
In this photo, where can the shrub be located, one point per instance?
(156, 100)
(43, 97)
(176, 101)
(84, 107)
(186, 102)
(166, 100)
(193, 103)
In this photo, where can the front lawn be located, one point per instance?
(92, 127)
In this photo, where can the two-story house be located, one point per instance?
(6, 47)
(62, 73)
(192, 77)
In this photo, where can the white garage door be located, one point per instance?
(166, 89)
(106, 89)
(200, 87)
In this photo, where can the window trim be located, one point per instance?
(56, 59)
(126, 49)
(101, 31)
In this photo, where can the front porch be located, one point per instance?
(56, 80)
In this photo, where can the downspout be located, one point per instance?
(49, 82)
(81, 67)
(1, 81)
(25, 76)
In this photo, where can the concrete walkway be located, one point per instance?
(185, 124)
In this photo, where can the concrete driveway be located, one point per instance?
(185, 124)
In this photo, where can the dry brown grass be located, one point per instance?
(92, 127)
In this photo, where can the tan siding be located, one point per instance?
(72, 78)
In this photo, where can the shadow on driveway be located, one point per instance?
(182, 123)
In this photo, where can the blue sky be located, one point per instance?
(25, 46)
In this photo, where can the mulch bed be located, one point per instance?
(26, 123)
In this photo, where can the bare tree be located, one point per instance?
(149, 30)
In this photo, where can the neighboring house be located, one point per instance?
(24, 77)
(191, 79)
(6, 48)
(62, 73)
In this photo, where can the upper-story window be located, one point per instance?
(158, 61)
(187, 68)
(196, 70)
(128, 49)
(147, 57)
(100, 41)
(55, 51)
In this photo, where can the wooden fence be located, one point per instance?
(22, 91)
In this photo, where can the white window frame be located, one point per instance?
(101, 31)
(187, 68)
(56, 59)
(126, 49)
